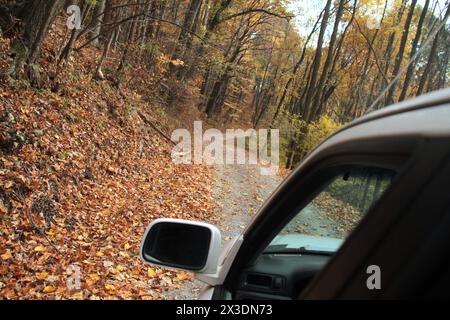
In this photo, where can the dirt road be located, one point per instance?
(239, 191)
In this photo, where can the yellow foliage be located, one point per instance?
(318, 131)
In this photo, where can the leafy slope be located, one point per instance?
(81, 176)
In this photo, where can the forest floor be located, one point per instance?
(81, 177)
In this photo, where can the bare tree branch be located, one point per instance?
(256, 10)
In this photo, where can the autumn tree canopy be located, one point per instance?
(250, 61)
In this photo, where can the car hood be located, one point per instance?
(313, 243)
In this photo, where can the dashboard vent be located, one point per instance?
(259, 280)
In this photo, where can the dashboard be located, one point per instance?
(279, 276)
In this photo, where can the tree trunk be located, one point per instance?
(217, 93)
(401, 52)
(98, 19)
(389, 48)
(123, 59)
(37, 17)
(98, 74)
(415, 44)
(431, 57)
(211, 25)
(66, 52)
(317, 60)
(107, 18)
(188, 26)
(323, 77)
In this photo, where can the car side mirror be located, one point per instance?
(186, 245)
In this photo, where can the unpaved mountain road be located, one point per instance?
(239, 192)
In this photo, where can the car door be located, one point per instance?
(412, 156)
(295, 235)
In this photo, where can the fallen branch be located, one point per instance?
(148, 122)
(43, 234)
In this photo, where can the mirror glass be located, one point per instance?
(178, 245)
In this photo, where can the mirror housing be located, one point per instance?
(181, 244)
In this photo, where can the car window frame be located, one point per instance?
(383, 153)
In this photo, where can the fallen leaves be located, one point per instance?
(345, 215)
(151, 272)
(183, 276)
(7, 255)
(111, 288)
(49, 289)
(105, 176)
(42, 275)
(39, 249)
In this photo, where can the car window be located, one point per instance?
(327, 220)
